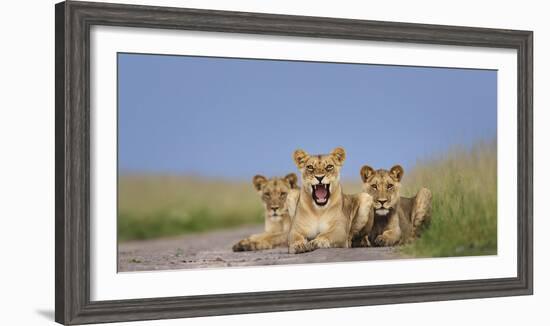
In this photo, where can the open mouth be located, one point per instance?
(321, 193)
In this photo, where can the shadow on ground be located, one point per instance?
(48, 314)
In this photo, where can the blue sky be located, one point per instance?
(234, 118)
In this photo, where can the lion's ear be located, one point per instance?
(366, 172)
(339, 155)
(300, 158)
(292, 180)
(258, 181)
(396, 172)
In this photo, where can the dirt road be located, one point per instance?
(213, 250)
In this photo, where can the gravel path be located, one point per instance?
(213, 250)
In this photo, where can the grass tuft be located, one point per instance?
(464, 216)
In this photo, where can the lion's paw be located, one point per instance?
(382, 241)
(243, 245)
(299, 247)
(319, 243)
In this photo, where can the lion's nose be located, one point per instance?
(382, 201)
(274, 208)
(319, 178)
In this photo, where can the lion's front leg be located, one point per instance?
(422, 211)
(297, 244)
(277, 239)
(391, 235)
(262, 241)
(244, 245)
(362, 216)
(388, 238)
(292, 202)
(297, 240)
(335, 237)
(362, 222)
(320, 242)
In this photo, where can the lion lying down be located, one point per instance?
(275, 193)
(397, 220)
(320, 215)
(325, 217)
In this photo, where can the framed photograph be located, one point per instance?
(216, 162)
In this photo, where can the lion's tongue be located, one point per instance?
(320, 192)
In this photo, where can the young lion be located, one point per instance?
(275, 194)
(397, 220)
(325, 217)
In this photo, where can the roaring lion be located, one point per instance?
(324, 216)
(397, 220)
(275, 194)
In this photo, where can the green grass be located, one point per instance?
(464, 216)
(158, 206)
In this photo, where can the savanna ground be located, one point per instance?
(172, 222)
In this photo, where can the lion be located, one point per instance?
(324, 216)
(397, 220)
(275, 194)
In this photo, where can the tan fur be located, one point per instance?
(325, 221)
(397, 220)
(276, 193)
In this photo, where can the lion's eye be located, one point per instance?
(283, 194)
(374, 186)
(389, 186)
(266, 195)
(309, 168)
(329, 167)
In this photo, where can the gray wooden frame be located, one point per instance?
(72, 181)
